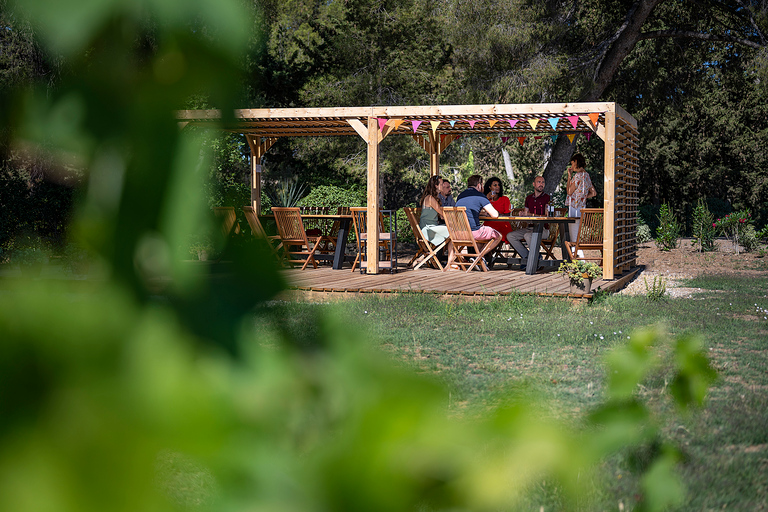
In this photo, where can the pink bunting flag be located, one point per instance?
(471, 122)
(521, 140)
(533, 123)
(553, 122)
(512, 122)
(574, 121)
(594, 117)
(504, 139)
(415, 125)
(382, 122)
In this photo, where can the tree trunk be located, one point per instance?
(617, 48)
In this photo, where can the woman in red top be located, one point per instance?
(494, 191)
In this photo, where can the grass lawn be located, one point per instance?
(481, 348)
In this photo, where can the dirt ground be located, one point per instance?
(685, 262)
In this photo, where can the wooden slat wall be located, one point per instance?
(626, 195)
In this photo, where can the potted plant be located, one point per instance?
(580, 274)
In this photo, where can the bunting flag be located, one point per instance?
(554, 137)
(553, 122)
(415, 125)
(504, 139)
(589, 135)
(442, 138)
(382, 122)
(512, 122)
(521, 140)
(489, 137)
(594, 117)
(571, 136)
(492, 122)
(452, 123)
(537, 137)
(396, 122)
(434, 125)
(574, 121)
(471, 122)
(533, 123)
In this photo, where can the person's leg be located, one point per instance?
(516, 238)
(527, 236)
(451, 257)
(574, 227)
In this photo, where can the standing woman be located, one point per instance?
(579, 189)
(431, 213)
(494, 191)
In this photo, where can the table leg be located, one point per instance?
(533, 249)
(565, 234)
(341, 244)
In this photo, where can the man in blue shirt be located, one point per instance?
(475, 202)
(445, 194)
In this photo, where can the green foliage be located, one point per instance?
(748, 238)
(703, 227)
(733, 226)
(669, 230)
(578, 270)
(286, 193)
(648, 214)
(657, 290)
(333, 197)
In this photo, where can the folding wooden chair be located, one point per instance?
(590, 237)
(258, 231)
(319, 227)
(228, 220)
(461, 235)
(548, 244)
(426, 249)
(386, 239)
(292, 234)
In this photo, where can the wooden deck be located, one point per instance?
(493, 283)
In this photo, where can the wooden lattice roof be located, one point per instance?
(453, 119)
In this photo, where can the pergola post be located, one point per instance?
(434, 154)
(609, 194)
(372, 228)
(258, 148)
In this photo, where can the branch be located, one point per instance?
(658, 34)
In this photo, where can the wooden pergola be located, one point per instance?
(435, 127)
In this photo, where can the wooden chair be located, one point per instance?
(228, 220)
(291, 229)
(386, 239)
(590, 237)
(319, 227)
(461, 236)
(548, 244)
(504, 250)
(426, 249)
(258, 231)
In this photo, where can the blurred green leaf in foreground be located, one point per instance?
(100, 380)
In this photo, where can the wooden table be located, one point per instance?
(341, 239)
(538, 229)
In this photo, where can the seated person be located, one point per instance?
(494, 191)
(445, 194)
(475, 201)
(431, 215)
(535, 205)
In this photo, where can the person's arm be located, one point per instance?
(490, 210)
(592, 192)
(571, 186)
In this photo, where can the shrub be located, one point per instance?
(643, 234)
(749, 240)
(669, 230)
(733, 226)
(657, 290)
(703, 227)
(333, 197)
